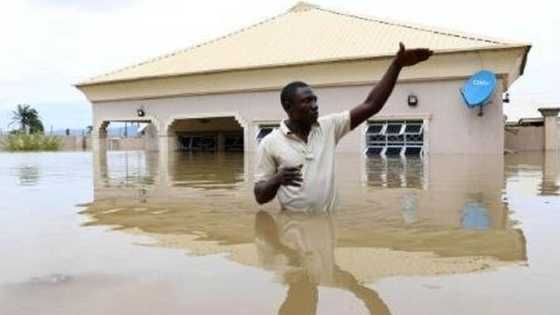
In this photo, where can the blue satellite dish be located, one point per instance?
(479, 88)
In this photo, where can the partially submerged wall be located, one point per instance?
(528, 138)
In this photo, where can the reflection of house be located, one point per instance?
(224, 94)
(425, 229)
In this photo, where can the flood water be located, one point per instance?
(148, 233)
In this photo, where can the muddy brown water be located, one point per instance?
(147, 233)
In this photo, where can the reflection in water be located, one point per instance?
(396, 172)
(28, 175)
(300, 248)
(475, 216)
(408, 207)
(551, 170)
(459, 214)
(207, 170)
(419, 217)
(543, 168)
(394, 242)
(126, 169)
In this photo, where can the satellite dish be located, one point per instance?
(478, 90)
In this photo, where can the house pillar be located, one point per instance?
(550, 128)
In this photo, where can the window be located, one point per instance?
(233, 143)
(264, 130)
(394, 138)
(197, 143)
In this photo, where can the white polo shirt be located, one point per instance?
(281, 148)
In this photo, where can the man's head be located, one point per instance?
(299, 102)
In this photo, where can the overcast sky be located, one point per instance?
(48, 45)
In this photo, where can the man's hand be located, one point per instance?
(289, 176)
(410, 57)
(286, 176)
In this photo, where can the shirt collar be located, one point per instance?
(287, 132)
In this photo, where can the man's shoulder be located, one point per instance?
(271, 139)
(330, 120)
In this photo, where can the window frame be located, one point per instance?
(387, 144)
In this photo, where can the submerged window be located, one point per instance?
(395, 138)
(233, 143)
(197, 143)
(395, 172)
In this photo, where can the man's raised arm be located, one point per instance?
(382, 90)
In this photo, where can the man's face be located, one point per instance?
(304, 107)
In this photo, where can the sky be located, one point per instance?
(47, 46)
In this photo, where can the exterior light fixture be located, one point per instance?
(140, 112)
(412, 100)
(505, 98)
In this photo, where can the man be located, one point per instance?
(296, 161)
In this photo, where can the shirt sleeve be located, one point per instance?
(265, 166)
(341, 124)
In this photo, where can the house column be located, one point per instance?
(550, 128)
(99, 156)
(99, 138)
(167, 145)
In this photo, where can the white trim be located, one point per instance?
(99, 123)
(420, 116)
(267, 122)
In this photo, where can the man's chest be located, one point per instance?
(290, 152)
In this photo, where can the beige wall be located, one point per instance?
(528, 138)
(525, 139)
(451, 126)
(73, 143)
(126, 144)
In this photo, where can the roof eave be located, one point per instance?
(349, 59)
(524, 61)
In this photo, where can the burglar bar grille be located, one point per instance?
(395, 138)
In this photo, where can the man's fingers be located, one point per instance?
(292, 170)
(293, 180)
(296, 168)
(401, 47)
(294, 183)
(423, 53)
(294, 177)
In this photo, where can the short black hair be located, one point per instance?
(289, 91)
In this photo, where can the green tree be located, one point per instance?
(28, 119)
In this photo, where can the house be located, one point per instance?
(223, 95)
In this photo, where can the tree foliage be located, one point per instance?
(28, 119)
